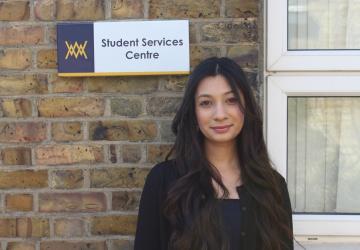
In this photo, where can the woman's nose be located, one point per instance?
(219, 112)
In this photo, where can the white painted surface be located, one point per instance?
(326, 246)
(171, 39)
(279, 58)
(280, 62)
(279, 88)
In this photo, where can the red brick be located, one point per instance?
(66, 84)
(45, 9)
(23, 179)
(22, 85)
(19, 202)
(199, 53)
(69, 131)
(124, 85)
(131, 130)
(242, 8)
(118, 177)
(230, 32)
(69, 228)
(16, 156)
(121, 244)
(16, 107)
(163, 106)
(174, 83)
(67, 179)
(12, 10)
(46, 59)
(108, 225)
(74, 245)
(32, 227)
(72, 202)
(19, 35)
(68, 154)
(157, 153)
(51, 35)
(124, 200)
(245, 56)
(21, 246)
(22, 132)
(127, 9)
(80, 10)
(15, 58)
(71, 107)
(184, 8)
(7, 227)
(24, 227)
(131, 153)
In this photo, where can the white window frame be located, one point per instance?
(280, 59)
(279, 88)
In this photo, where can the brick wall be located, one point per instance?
(75, 151)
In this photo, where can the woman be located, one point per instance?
(220, 191)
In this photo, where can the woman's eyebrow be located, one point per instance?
(203, 95)
(207, 95)
(229, 92)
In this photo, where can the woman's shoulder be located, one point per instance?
(163, 168)
(281, 181)
(283, 186)
(278, 176)
(162, 172)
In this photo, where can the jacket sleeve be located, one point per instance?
(148, 225)
(287, 204)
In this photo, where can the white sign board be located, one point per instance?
(125, 48)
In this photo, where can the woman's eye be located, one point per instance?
(232, 100)
(205, 103)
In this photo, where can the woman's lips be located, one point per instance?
(221, 129)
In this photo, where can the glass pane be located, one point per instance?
(324, 154)
(323, 24)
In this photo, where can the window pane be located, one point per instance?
(324, 154)
(323, 24)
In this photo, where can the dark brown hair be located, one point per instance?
(190, 206)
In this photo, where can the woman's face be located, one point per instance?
(217, 109)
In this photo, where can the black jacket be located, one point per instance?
(153, 231)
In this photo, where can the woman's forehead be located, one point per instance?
(213, 86)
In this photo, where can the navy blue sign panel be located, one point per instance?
(75, 44)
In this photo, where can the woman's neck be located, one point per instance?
(223, 156)
(225, 159)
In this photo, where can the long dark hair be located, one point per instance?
(190, 206)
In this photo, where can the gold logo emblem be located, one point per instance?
(76, 50)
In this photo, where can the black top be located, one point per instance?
(153, 231)
(231, 215)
